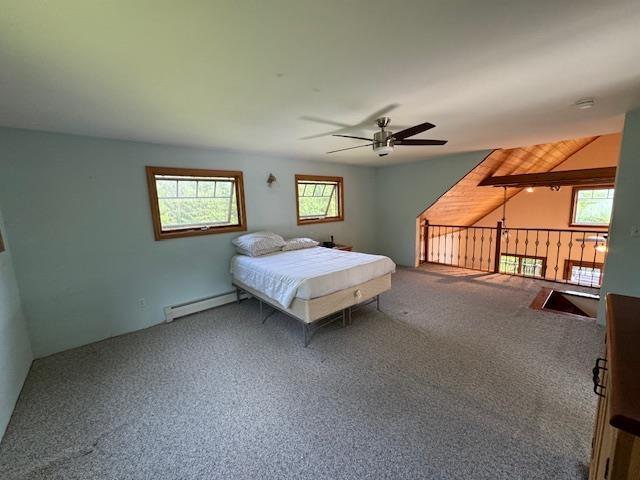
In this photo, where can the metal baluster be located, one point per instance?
(452, 243)
(506, 252)
(481, 245)
(546, 255)
(466, 246)
(593, 264)
(565, 274)
(543, 268)
(584, 234)
(439, 240)
(520, 270)
(473, 253)
(444, 257)
(432, 242)
(526, 247)
(555, 275)
(490, 244)
(459, 244)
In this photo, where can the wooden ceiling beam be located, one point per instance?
(587, 176)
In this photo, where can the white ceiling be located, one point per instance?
(249, 75)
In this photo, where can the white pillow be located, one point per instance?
(299, 243)
(258, 243)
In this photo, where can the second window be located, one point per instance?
(319, 199)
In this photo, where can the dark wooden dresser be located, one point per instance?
(616, 380)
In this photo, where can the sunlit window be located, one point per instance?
(195, 202)
(319, 199)
(592, 206)
(521, 265)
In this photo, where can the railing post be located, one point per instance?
(426, 240)
(496, 259)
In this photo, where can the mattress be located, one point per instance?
(308, 273)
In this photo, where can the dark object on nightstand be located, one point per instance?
(330, 244)
(336, 246)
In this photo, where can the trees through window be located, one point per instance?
(319, 199)
(188, 202)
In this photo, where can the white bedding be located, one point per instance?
(308, 273)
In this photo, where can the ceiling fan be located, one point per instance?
(384, 141)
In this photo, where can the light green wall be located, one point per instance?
(623, 259)
(77, 209)
(15, 349)
(404, 191)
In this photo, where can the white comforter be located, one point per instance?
(308, 273)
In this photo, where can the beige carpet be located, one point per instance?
(456, 379)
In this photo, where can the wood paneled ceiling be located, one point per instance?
(466, 203)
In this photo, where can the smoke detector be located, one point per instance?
(584, 103)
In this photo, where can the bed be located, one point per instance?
(313, 284)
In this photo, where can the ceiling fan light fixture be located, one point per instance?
(383, 150)
(384, 141)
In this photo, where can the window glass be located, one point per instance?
(319, 198)
(592, 206)
(520, 265)
(187, 203)
(585, 275)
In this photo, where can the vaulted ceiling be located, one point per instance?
(260, 76)
(466, 203)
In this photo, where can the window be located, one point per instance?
(583, 273)
(591, 206)
(521, 265)
(319, 199)
(187, 202)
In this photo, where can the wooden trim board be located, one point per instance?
(586, 176)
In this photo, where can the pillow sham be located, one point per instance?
(258, 243)
(299, 243)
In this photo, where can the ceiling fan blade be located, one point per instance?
(350, 148)
(411, 131)
(380, 113)
(319, 135)
(310, 118)
(420, 142)
(358, 138)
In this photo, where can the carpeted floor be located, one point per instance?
(456, 379)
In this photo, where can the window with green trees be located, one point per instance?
(195, 201)
(319, 199)
(592, 206)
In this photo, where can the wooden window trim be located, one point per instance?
(194, 172)
(570, 263)
(543, 273)
(574, 199)
(321, 178)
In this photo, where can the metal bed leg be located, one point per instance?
(305, 334)
(238, 295)
(264, 319)
(260, 302)
(378, 303)
(344, 317)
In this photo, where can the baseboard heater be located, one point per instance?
(195, 306)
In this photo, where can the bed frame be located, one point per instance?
(321, 311)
